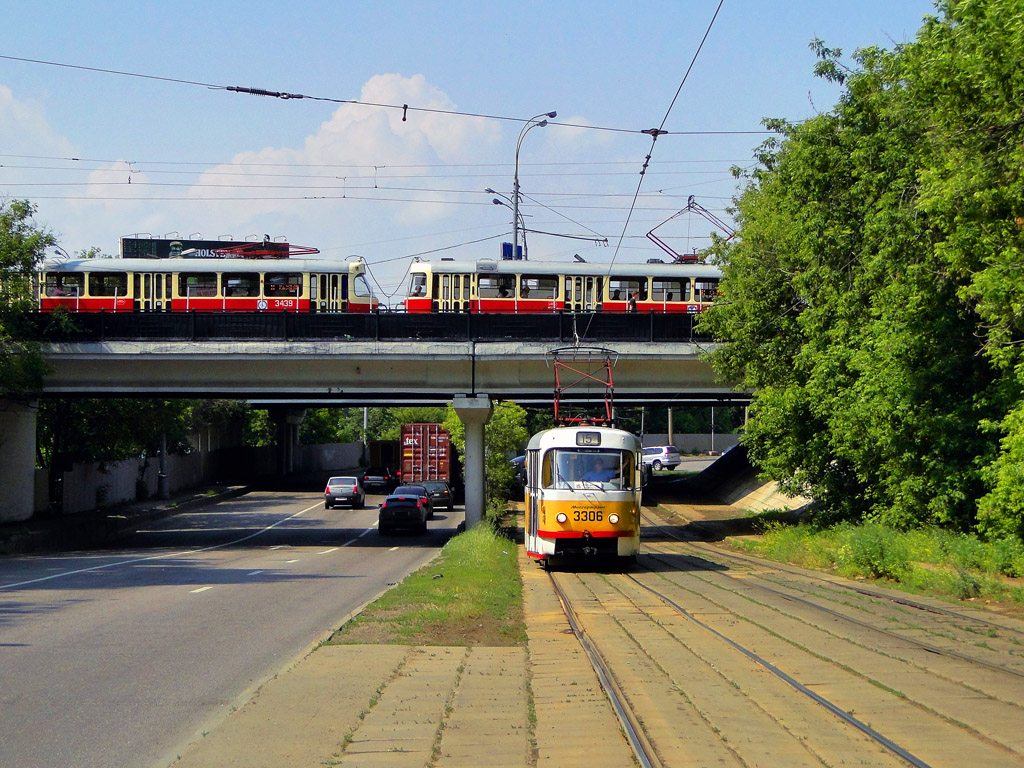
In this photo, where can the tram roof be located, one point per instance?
(522, 267)
(197, 265)
(565, 437)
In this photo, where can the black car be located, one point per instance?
(422, 492)
(440, 493)
(379, 479)
(403, 510)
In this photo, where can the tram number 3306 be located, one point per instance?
(587, 515)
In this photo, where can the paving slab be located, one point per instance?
(301, 716)
(576, 725)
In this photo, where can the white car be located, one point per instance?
(662, 457)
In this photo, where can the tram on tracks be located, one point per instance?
(234, 282)
(489, 285)
(583, 493)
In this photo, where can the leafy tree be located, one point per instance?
(22, 246)
(873, 300)
(504, 435)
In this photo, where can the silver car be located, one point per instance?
(662, 457)
(344, 490)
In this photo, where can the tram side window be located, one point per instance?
(496, 286)
(705, 289)
(242, 285)
(108, 283)
(64, 284)
(621, 288)
(195, 284)
(418, 285)
(670, 290)
(540, 287)
(282, 284)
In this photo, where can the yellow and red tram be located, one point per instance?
(583, 493)
(488, 285)
(204, 285)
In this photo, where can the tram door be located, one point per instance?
(327, 293)
(532, 500)
(583, 294)
(143, 291)
(452, 292)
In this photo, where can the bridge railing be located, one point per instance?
(384, 326)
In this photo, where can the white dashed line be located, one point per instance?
(254, 573)
(392, 549)
(328, 551)
(290, 561)
(201, 589)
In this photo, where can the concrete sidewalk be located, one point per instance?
(370, 706)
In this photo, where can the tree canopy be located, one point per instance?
(874, 301)
(22, 246)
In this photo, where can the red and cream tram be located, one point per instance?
(488, 285)
(205, 285)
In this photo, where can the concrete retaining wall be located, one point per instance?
(327, 458)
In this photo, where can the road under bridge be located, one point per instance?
(468, 360)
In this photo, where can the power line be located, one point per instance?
(405, 108)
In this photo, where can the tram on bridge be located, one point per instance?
(232, 283)
(514, 286)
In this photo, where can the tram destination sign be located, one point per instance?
(168, 248)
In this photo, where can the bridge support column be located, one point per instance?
(287, 421)
(17, 461)
(474, 410)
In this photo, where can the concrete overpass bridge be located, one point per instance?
(290, 362)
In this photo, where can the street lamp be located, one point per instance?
(533, 122)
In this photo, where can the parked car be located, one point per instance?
(403, 510)
(662, 457)
(422, 492)
(440, 493)
(379, 479)
(344, 490)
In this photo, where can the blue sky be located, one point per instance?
(352, 179)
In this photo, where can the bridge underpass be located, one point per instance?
(293, 374)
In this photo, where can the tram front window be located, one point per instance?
(572, 468)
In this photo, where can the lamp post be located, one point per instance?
(533, 122)
(507, 202)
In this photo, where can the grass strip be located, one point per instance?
(471, 594)
(924, 561)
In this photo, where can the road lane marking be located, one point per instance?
(328, 551)
(392, 549)
(286, 562)
(197, 591)
(253, 573)
(357, 538)
(157, 557)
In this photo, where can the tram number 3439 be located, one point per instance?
(587, 515)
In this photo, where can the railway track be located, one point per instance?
(710, 656)
(906, 617)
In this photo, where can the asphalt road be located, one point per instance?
(118, 657)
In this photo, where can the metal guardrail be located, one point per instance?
(381, 326)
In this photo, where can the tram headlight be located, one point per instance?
(561, 517)
(613, 518)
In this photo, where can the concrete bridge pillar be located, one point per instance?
(474, 410)
(17, 460)
(287, 421)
